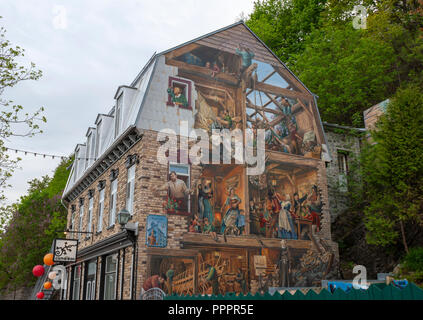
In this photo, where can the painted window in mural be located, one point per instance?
(156, 231)
(179, 93)
(287, 116)
(178, 199)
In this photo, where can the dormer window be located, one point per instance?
(76, 161)
(88, 152)
(98, 141)
(118, 115)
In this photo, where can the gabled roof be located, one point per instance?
(239, 23)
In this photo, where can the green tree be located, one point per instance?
(14, 121)
(35, 221)
(347, 70)
(393, 170)
(350, 70)
(284, 25)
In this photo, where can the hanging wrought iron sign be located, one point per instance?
(65, 250)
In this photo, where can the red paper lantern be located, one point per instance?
(47, 285)
(40, 295)
(48, 259)
(38, 271)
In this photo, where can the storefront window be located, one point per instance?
(76, 282)
(91, 280)
(110, 277)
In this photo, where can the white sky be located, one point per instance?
(86, 49)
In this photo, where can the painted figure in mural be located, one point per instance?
(192, 59)
(224, 120)
(155, 281)
(215, 69)
(299, 209)
(273, 205)
(240, 279)
(231, 215)
(178, 97)
(169, 275)
(315, 207)
(194, 226)
(295, 138)
(246, 55)
(152, 238)
(205, 209)
(212, 279)
(285, 223)
(255, 218)
(209, 228)
(178, 193)
(240, 222)
(265, 219)
(283, 265)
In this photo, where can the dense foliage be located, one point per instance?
(393, 170)
(35, 221)
(349, 69)
(412, 266)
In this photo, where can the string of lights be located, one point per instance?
(44, 155)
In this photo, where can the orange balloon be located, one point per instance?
(47, 285)
(48, 259)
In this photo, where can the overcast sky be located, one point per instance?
(86, 49)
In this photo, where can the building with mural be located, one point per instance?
(202, 228)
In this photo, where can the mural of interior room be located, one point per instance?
(235, 270)
(285, 202)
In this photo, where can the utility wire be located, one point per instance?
(44, 155)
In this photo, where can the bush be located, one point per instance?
(413, 261)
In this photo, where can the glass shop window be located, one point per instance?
(76, 282)
(110, 277)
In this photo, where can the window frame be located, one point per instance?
(101, 198)
(106, 273)
(113, 202)
(98, 139)
(130, 189)
(118, 114)
(188, 175)
(183, 82)
(81, 219)
(90, 213)
(76, 280)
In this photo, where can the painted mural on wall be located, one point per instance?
(232, 85)
(156, 231)
(237, 85)
(220, 271)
